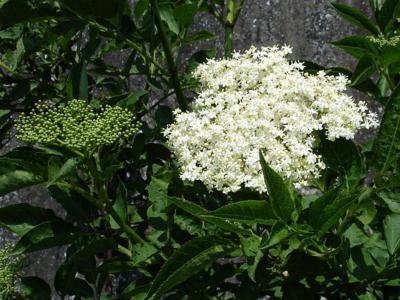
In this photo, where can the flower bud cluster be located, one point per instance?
(382, 41)
(76, 125)
(10, 269)
(261, 100)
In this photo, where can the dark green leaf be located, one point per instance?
(326, 211)
(355, 236)
(201, 35)
(45, 235)
(184, 14)
(167, 15)
(356, 17)
(21, 218)
(390, 55)
(278, 232)
(253, 254)
(94, 8)
(58, 172)
(120, 204)
(249, 212)
(365, 68)
(387, 144)
(16, 11)
(92, 247)
(281, 198)
(391, 199)
(83, 83)
(34, 288)
(388, 14)
(187, 206)
(187, 261)
(357, 46)
(391, 226)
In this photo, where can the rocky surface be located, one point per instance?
(308, 26)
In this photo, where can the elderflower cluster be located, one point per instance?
(260, 100)
(76, 125)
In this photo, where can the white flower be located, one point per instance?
(260, 100)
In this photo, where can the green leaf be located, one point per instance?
(94, 8)
(4, 112)
(365, 68)
(355, 236)
(249, 212)
(388, 14)
(278, 233)
(187, 261)
(120, 204)
(45, 235)
(83, 83)
(57, 173)
(391, 199)
(343, 161)
(253, 254)
(356, 17)
(281, 199)
(131, 99)
(391, 226)
(386, 147)
(376, 6)
(326, 211)
(390, 55)
(357, 46)
(184, 14)
(202, 214)
(187, 206)
(141, 7)
(198, 36)
(20, 168)
(21, 218)
(34, 288)
(90, 248)
(167, 15)
(366, 211)
(66, 282)
(77, 207)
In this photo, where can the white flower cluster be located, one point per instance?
(260, 100)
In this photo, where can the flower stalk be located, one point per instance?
(180, 97)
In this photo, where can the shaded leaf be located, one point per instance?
(281, 199)
(386, 147)
(391, 226)
(187, 261)
(34, 288)
(249, 212)
(356, 17)
(278, 232)
(21, 218)
(45, 235)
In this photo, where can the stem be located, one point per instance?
(169, 57)
(228, 27)
(392, 85)
(228, 43)
(94, 167)
(82, 192)
(232, 14)
(125, 251)
(133, 236)
(5, 67)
